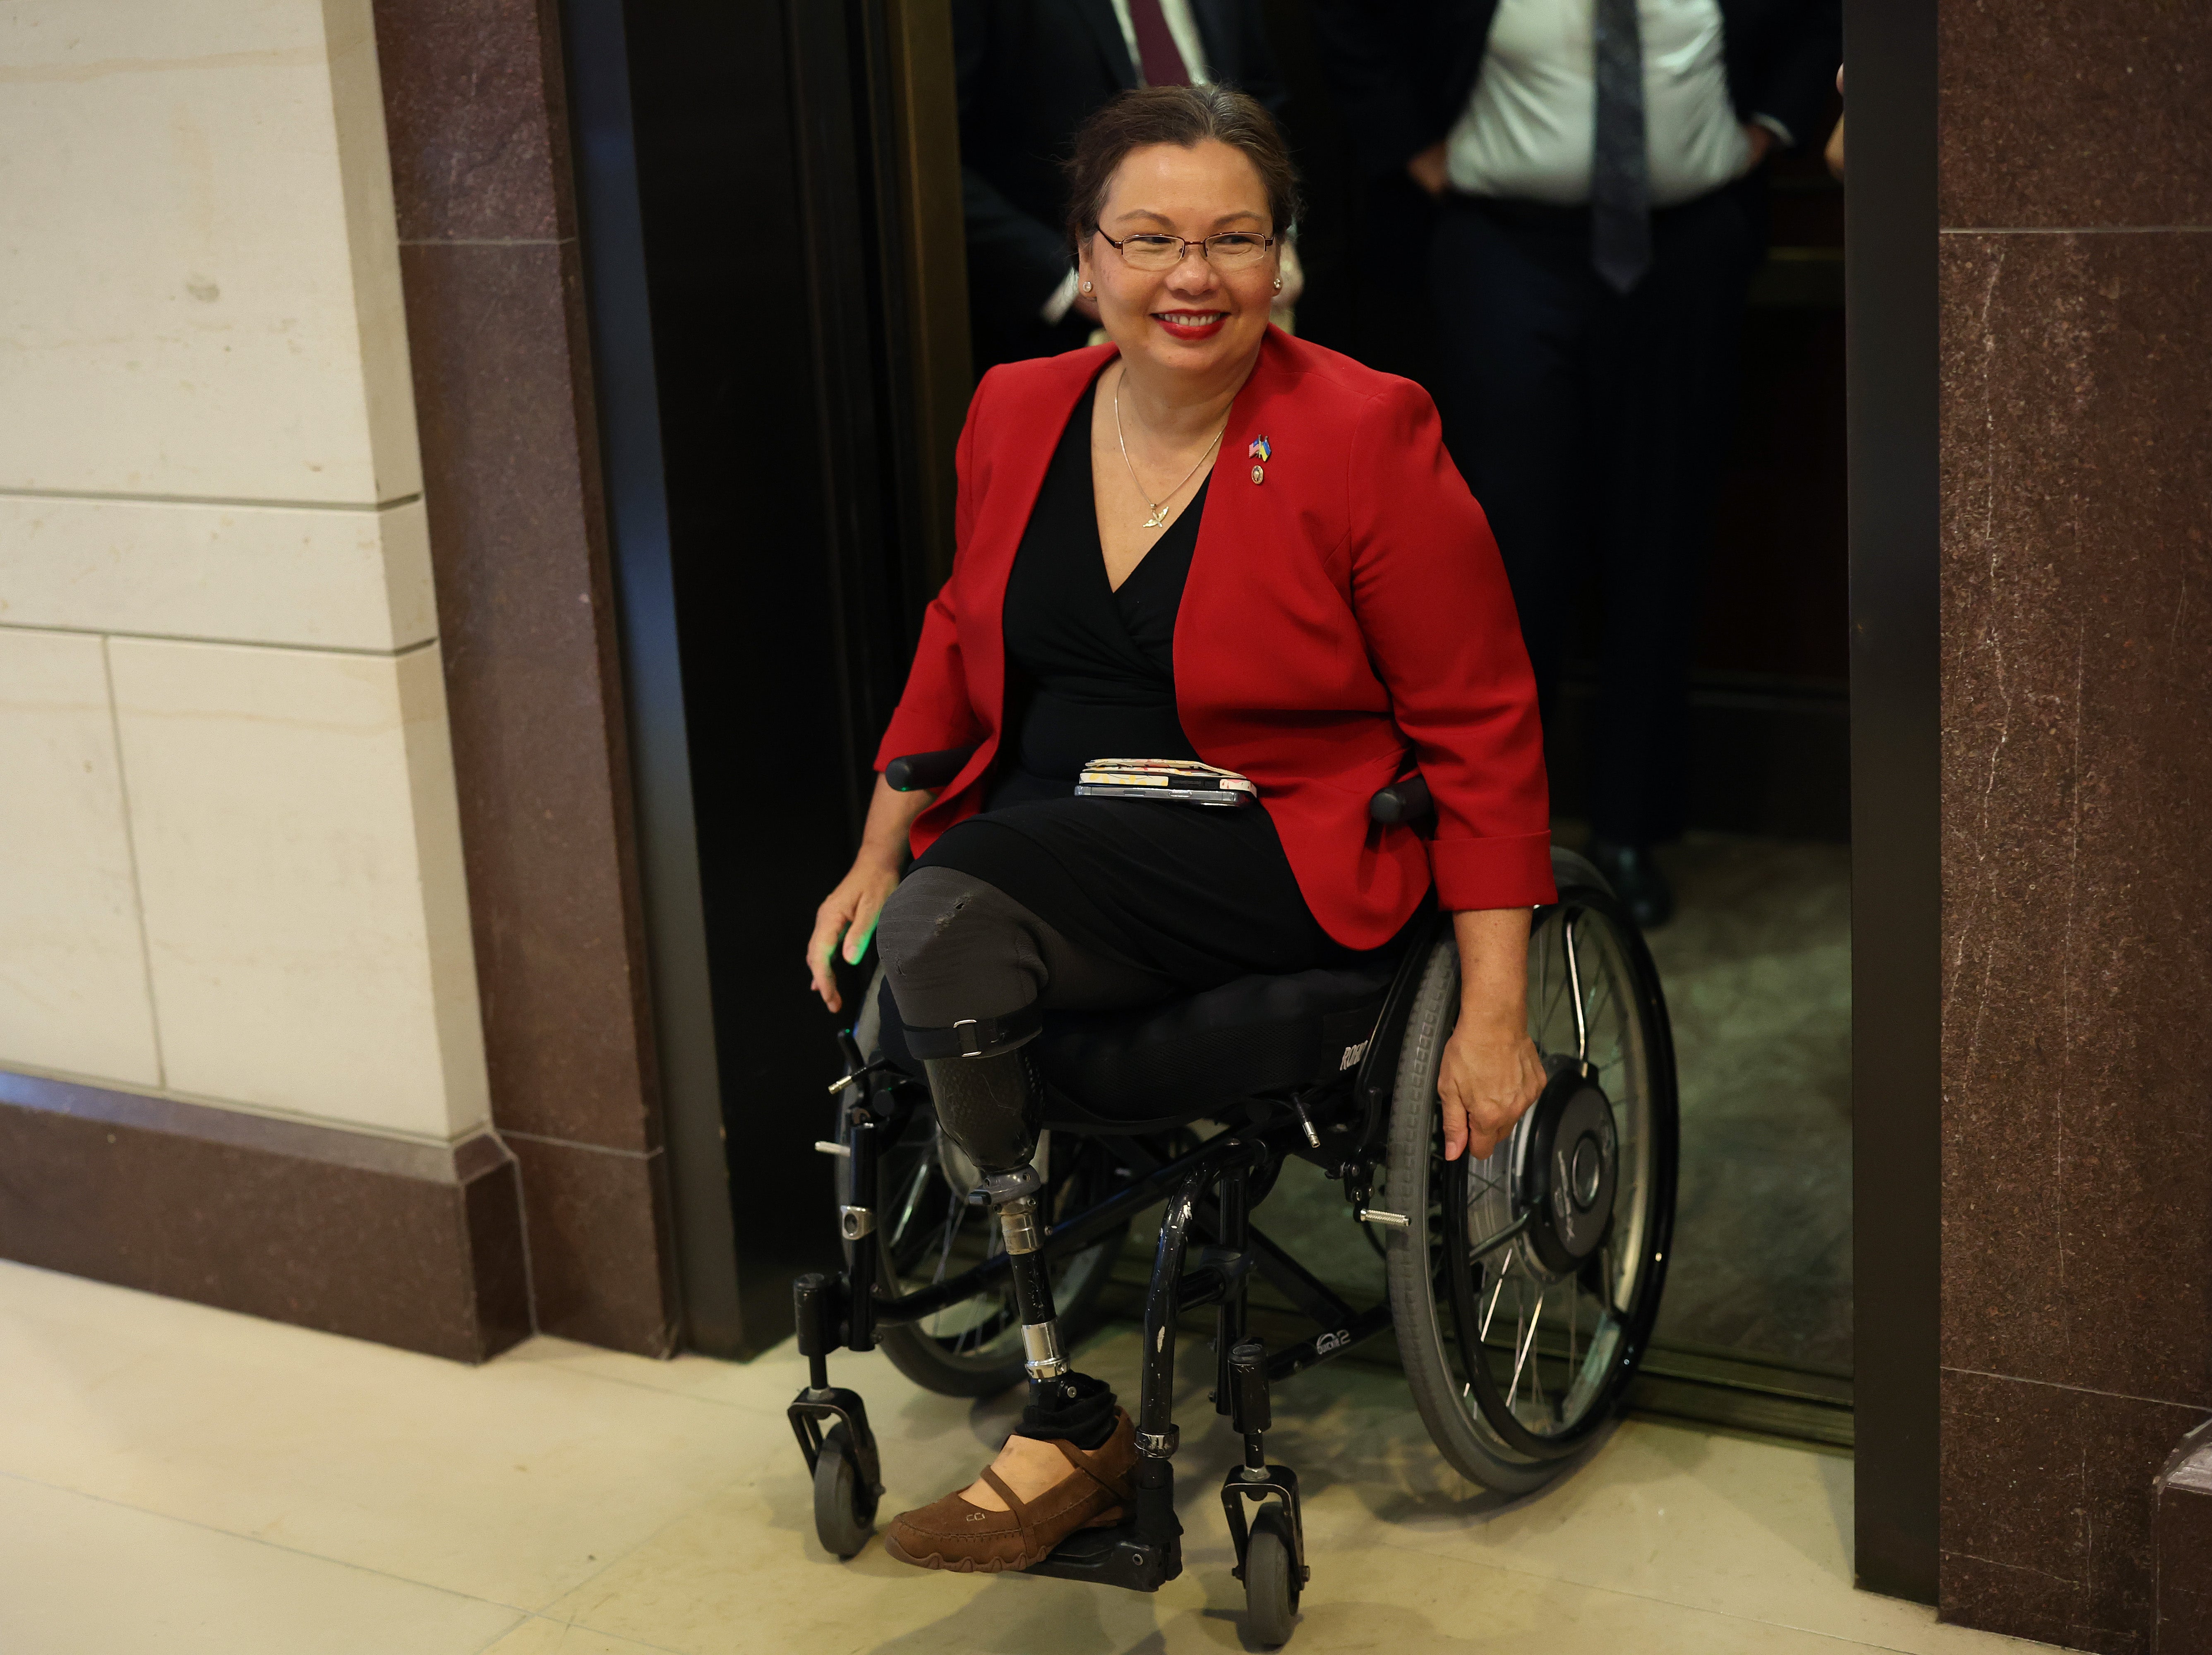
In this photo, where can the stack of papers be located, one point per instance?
(1181, 781)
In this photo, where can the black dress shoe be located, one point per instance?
(1634, 875)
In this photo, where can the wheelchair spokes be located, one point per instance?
(1550, 1371)
(1548, 1343)
(1576, 1003)
(1543, 1260)
(1622, 1032)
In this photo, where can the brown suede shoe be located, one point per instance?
(952, 1534)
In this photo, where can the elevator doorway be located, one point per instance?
(1756, 1330)
(799, 536)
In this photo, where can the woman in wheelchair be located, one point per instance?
(1204, 542)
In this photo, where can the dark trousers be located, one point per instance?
(1592, 427)
(957, 947)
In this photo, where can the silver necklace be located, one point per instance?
(1159, 517)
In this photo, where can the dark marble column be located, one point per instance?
(407, 1244)
(2182, 1529)
(474, 108)
(2076, 385)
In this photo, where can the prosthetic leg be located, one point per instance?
(988, 1099)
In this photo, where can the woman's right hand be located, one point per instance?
(1432, 169)
(848, 916)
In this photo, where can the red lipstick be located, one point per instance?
(1188, 325)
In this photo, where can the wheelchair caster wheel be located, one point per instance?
(844, 1507)
(1271, 1578)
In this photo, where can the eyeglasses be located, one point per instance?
(1231, 250)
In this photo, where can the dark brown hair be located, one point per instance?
(1185, 116)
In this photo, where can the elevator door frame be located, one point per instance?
(1890, 300)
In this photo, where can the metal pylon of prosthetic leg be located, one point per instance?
(1042, 1356)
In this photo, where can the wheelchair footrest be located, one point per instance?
(1113, 1557)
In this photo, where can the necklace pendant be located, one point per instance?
(1158, 519)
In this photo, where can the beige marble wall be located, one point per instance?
(230, 862)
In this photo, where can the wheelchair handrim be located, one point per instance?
(1535, 1392)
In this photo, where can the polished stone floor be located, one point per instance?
(1756, 968)
(185, 1481)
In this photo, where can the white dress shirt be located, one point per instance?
(1528, 129)
(1184, 28)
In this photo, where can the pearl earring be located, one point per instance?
(1278, 284)
(1086, 286)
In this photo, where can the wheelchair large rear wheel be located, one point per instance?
(1525, 1289)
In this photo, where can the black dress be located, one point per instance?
(1191, 895)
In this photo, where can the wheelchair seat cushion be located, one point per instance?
(1176, 1060)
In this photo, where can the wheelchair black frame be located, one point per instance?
(844, 1311)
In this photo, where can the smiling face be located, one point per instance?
(1195, 318)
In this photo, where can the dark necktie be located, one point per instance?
(1621, 180)
(1158, 57)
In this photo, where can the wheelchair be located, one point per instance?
(1523, 1288)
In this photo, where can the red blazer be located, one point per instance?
(1346, 619)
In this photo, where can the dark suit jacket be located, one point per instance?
(1403, 70)
(1346, 617)
(1030, 73)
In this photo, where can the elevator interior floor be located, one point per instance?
(183, 1479)
(1755, 1328)
(1756, 968)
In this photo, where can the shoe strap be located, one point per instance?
(1080, 1458)
(1015, 1503)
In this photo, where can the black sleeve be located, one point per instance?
(1256, 69)
(1378, 94)
(1798, 73)
(1021, 257)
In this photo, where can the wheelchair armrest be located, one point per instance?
(1404, 800)
(929, 770)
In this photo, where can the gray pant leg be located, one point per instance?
(955, 947)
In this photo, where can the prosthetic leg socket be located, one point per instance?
(988, 1103)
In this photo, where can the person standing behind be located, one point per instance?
(1596, 239)
(1030, 73)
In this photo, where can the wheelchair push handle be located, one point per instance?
(926, 770)
(1406, 799)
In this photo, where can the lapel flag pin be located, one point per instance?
(1260, 450)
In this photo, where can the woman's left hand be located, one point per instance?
(1490, 1076)
(1490, 1071)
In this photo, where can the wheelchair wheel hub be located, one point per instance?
(1570, 1161)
